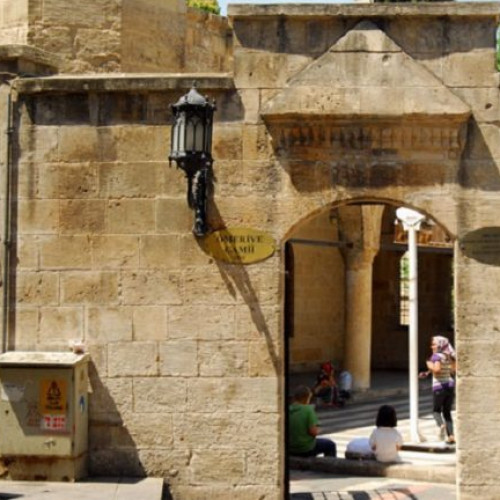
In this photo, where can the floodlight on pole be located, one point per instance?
(412, 220)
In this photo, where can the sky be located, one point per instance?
(223, 3)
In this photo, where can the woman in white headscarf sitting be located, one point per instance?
(441, 365)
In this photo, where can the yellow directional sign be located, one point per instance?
(239, 245)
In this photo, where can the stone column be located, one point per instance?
(361, 229)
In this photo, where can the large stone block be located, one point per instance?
(147, 43)
(61, 325)
(475, 470)
(150, 323)
(98, 359)
(101, 49)
(257, 143)
(264, 464)
(150, 430)
(484, 102)
(76, 181)
(82, 216)
(418, 37)
(89, 288)
(55, 39)
(106, 325)
(179, 358)
(191, 253)
(160, 252)
(38, 216)
(223, 358)
(470, 69)
(473, 436)
(110, 399)
(478, 322)
(133, 359)
(173, 215)
(99, 13)
(160, 395)
(115, 462)
(70, 252)
(27, 252)
(484, 144)
(78, 144)
(201, 322)
(172, 465)
(202, 287)
(217, 466)
(40, 143)
(151, 288)
(260, 69)
(233, 394)
(134, 143)
(190, 492)
(264, 359)
(130, 216)
(27, 323)
(131, 180)
(227, 141)
(471, 392)
(37, 288)
(206, 430)
(115, 251)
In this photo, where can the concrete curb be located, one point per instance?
(371, 468)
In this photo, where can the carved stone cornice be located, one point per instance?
(296, 137)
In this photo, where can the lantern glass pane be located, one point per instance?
(198, 136)
(209, 136)
(193, 127)
(180, 133)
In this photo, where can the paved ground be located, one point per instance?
(306, 485)
(356, 420)
(92, 489)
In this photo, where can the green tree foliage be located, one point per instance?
(211, 6)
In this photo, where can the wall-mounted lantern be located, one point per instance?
(191, 149)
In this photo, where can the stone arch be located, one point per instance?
(353, 257)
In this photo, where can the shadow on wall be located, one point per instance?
(478, 169)
(237, 280)
(112, 450)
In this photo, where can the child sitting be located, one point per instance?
(385, 440)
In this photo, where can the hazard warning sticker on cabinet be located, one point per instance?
(53, 398)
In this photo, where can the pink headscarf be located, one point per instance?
(444, 346)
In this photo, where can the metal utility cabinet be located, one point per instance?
(44, 415)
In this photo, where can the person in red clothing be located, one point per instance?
(326, 386)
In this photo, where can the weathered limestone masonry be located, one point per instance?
(404, 108)
(322, 105)
(103, 36)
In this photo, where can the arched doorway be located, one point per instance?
(361, 240)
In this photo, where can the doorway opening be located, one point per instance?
(346, 274)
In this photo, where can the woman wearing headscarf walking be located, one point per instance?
(442, 366)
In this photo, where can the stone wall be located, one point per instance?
(188, 352)
(208, 44)
(107, 36)
(318, 270)
(185, 350)
(14, 21)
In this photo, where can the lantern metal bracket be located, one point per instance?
(198, 174)
(191, 143)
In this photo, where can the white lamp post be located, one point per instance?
(411, 222)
